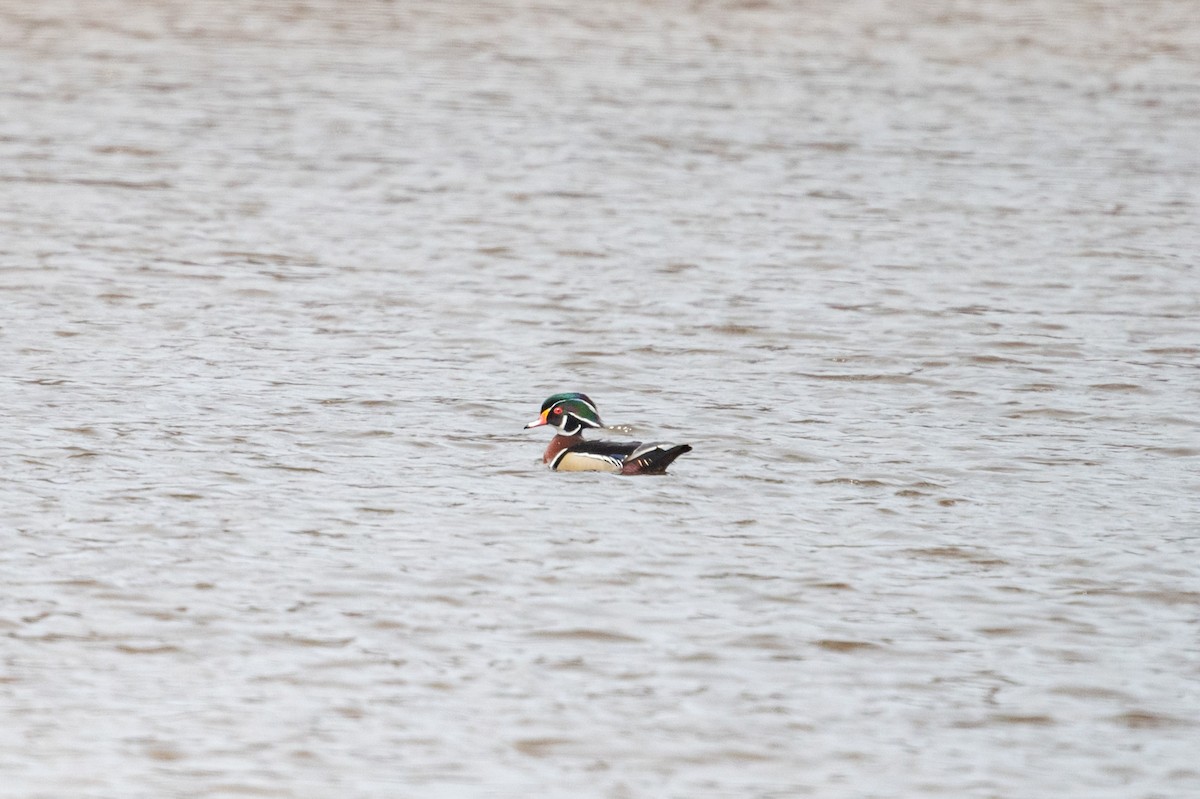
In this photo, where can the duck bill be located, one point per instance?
(540, 421)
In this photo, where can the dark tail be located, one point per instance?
(653, 458)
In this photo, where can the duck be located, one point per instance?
(572, 412)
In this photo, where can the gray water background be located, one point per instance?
(281, 282)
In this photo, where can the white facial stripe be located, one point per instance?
(568, 423)
(580, 401)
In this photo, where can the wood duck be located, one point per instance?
(570, 413)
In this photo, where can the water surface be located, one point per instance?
(282, 282)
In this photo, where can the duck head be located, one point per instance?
(569, 413)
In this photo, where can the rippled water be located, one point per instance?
(281, 283)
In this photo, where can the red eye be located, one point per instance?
(558, 411)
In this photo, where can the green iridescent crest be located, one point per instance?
(571, 411)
